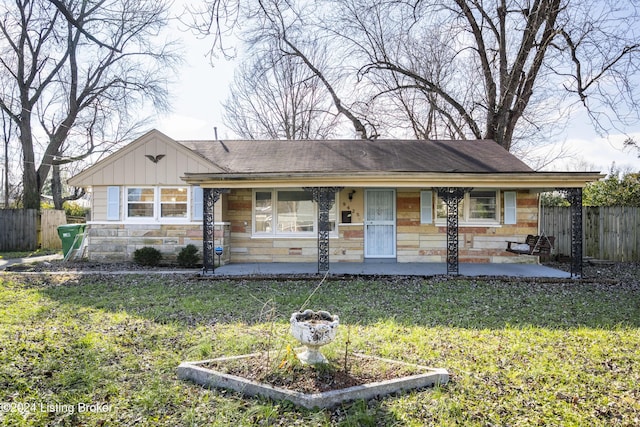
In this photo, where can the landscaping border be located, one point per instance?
(194, 371)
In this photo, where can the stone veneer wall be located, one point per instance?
(349, 247)
(118, 242)
(245, 248)
(416, 242)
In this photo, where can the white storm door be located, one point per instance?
(380, 224)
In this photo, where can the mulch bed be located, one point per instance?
(288, 373)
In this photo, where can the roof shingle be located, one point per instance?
(352, 156)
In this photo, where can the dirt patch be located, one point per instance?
(91, 266)
(624, 272)
(289, 373)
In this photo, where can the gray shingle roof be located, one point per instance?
(345, 156)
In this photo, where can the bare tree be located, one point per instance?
(11, 154)
(631, 143)
(63, 78)
(507, 60)
(277, 97)
(407, 108)
(507, 70)
(7, 137)
(281, 25)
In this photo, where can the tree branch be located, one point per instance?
(69, 16)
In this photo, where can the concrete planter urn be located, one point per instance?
(313, 329)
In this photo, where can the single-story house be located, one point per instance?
(326, 201)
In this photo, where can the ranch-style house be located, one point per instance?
(323, 200)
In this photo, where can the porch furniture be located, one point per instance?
(533, 245)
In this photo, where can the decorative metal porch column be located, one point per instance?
(574, 196)
(324, 197)
(209, 197)
(452, 196)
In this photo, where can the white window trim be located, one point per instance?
(187, 202)
(125, 204)
(156, 218)
(273, 233)
(465, 221)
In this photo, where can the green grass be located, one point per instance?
(27, 254)
(518, 353)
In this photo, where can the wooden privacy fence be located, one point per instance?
(50, 219)
(26, 230)
(18, 229)
(609, 232)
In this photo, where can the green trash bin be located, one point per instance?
(68, 233)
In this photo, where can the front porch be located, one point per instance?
(391, 269)
(417, 241)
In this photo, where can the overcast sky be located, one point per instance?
(201, 88)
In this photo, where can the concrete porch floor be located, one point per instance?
(391, 269)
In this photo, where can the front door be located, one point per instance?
(380, 224)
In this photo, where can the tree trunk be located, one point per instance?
(6, 172)
(56, 187)
(30, 184)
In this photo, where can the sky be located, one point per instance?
(201, 88)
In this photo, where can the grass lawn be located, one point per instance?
(103, 350)
(27, 254)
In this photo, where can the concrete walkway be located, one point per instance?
(4, 263)
(391, 269)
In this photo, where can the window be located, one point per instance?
(140, 202)
(482, 205)
(263, 215)
(441, 209)
(159, 203)
(295, 212)
(478, 206)
(173, 202)
(287, 212)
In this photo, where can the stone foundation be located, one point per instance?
(118, 242)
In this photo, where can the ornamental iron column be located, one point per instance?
(574, 196)
(452, 196)
(209, 197)
(324, 197)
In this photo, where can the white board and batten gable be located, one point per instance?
(153, 160)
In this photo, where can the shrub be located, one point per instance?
(147, 256)
(74, 209)
(47, 205)
(188, 256)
